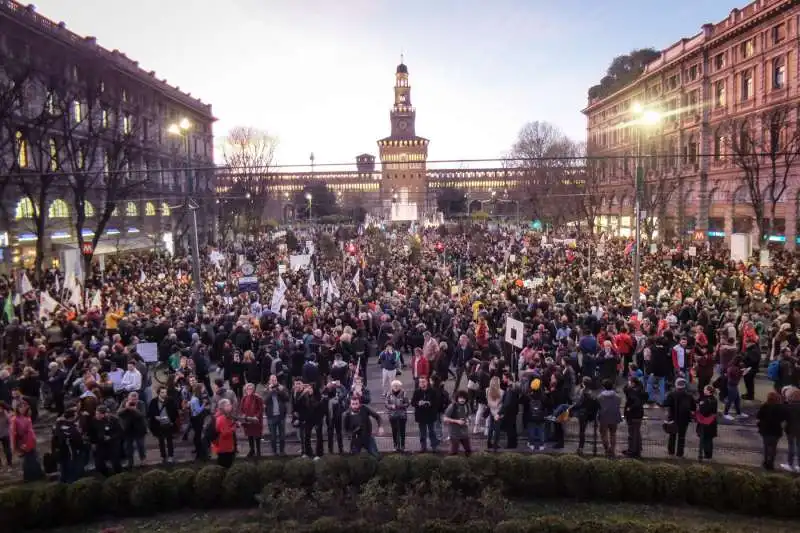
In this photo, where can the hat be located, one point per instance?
(680, 383)
(536, 384)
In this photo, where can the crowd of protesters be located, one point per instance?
(250, 367)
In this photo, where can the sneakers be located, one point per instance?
(729, 418)
(787, 467)
(742, 415)
(532, 447)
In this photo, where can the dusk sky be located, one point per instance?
(318, 74)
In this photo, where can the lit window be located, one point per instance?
(115, 212)
(127, 124)
(88, 209)
(104, 118)
(77, 111)
(24, 209)
(165, 210)
(149, 209)
(131, 210)
(58, 209)
(80, 158)
(124, 95)
(53, 155)
(50, 103)
(22, 150)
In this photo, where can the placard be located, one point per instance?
(248, 284)
(514, 332)
(148, 351)
(692, 251)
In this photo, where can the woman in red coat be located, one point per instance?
(252, 409)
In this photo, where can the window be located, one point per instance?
(124, 95)
(131, 210)
(672, 82)
(75, 73)
(53, 152)
(88, 209)
(106, 163)
(80, 158)
(719, 94)
(719, 61)
(778, 73)
(149, 209)
(101, 87)
(747, 48)
(693, 99)
(22, 150)
(693, 72)
(58, 209)
(127, 124)
(719, 146)
(747, 85)
(104, 119)
(50, 103)
(24, 209)
(165, 210)
(77, 111)
(778, 33)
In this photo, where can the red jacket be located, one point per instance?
(252, 406)
(226, 435)
(421, 367)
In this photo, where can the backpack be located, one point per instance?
(68, 437)
(536, 409)
(210, 433)
(774, 370)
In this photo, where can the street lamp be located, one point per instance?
(644, 117)
(309, 197)
(181, 128)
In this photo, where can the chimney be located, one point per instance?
(90, 40)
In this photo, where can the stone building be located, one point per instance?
(734, 85)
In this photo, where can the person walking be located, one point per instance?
(771, 418)
(609, 416)
(706, 417)
(456, 416)
(397, 406)
(275, 403)
(251, 408)
(162, 415)
(635, 398)
(793, 432)
(680, 406)
(223, 433)
(426, 410)
(357, 421)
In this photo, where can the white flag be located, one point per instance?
(76, 297)
(142, 277)
(70, 283)
(178, 276)
(25, 284)
(97, 301)
(357, 279)
(57, 285)
(47, 305)
(311, 283)
(278, 296)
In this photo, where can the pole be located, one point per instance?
(637, 213)
(198, 286)
(590, 265)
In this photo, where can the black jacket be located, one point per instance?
(635, 397)
(425, 413)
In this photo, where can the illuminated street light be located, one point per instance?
(651, 117)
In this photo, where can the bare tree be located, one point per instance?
(657, 193)
(248, 153)
(765, 149)
(552, 162)
(102, 142)
(13, 79)
(591, 177)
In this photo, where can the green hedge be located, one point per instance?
(284, 481)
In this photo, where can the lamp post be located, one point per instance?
(182, 129)
(644, 117)
(309, 197)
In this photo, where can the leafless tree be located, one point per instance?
(13, 79)
(248, 154)
(657, 193)
(552, 162)
(765, 147)
(588, 183)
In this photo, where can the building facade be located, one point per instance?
(403, 177)
(74, 114)
(718, 97)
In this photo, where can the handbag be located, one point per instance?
(670, 427)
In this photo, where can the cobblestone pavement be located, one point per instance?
(738, 442)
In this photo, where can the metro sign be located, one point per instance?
(87, 248)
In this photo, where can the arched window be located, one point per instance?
(131, 210)
(165, 210)
(149, 209)
(22, 150)
(58, 209)
(24, 208)
(115, 212)
(53, 148)
(88, 209)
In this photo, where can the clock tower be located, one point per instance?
(403, 154)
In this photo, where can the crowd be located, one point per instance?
(292, 353)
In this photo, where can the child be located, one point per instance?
(635, 372)
(456, 416)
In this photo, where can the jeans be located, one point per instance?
(656, 389)
(364, 443)
(494, 434)
(460, 441)
(427, 432)
(398, 433)
(676, 443)
(130, 443)
(794, 449)
(200, 447)
(634, 437)
(536, 434)
(277, 434)
(734, 399)
(334, 424)
(165, 445)
(71, 469)
(608, 434)
(770, 450)
(582, 423)
(31, 468)
(315, 426)
(225, 459)
(387, 376)
(706, 448)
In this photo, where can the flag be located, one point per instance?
(25, 284)
(311, 283)
(357, 279)
(629, 248)
(57, 285)
(97, 301)
(47, 305)
(178, 276)
(76, 297)
(70, 283)
(8, 308)
(278, 295)
(142, 277)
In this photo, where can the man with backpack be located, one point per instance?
(68, 446)
(536, 415)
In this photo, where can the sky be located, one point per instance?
(318, 74)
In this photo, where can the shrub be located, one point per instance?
(704, 487)
(604, 479)
(573, 477)
(241, 484)
(483, 465)
(116, 493)
(743, 490)
(208, 486)
(394, 469)
(455, 469)
(270, 471)
(331, 472)
(637, 483)
(153, 492)
(83, 497)
(14, 506)
(47, 505)
(669, 482)
(424, 466)
(779, 498)
(299, 472)
(362, 468)
(183, 480)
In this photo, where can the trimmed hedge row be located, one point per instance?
(518, 476)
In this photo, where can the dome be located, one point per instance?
(402, 68)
